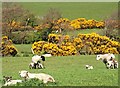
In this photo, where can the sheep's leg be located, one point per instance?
(35, 65)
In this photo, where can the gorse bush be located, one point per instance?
(63, 45)
(79, 23)
(7, 48)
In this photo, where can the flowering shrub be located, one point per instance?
(99, 44)
(54, 38)
(94, 44)
(37, 46)
(79, 23)
(7, 49)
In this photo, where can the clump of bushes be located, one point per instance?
(7, 48)
(63, 45)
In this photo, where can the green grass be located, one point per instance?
(73, 10)
(84, 31)
(67, 70)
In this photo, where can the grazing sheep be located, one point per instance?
(89, 67)
(9, 81)
(41, 76)
(105, 57)
(108, 60)
(37, 58)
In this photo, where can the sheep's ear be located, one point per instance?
(27, 72)
(50, 79)
(10, 77)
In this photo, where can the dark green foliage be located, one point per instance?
(31, 82)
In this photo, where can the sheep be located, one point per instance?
(89, 67)
(37, 58)
(31, 65)
(113, 64)
(35, 65)
(39, 65)
(110, 65)
(41, 76)
(105, 56)
(9, 81)
(47, 55)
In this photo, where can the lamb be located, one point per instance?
(31, 65)
(41, 76)
(9, 81)
(35, 65)
(113, 64)
(89, 67)
(39, 65)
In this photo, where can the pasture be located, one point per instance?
(67, 70)
(73, 10)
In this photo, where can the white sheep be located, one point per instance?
(89, 67)
(37, 58)
(112, 64)
(36, 65)
(47, 55)
(41, 76)
(31, 65)
(9, 82)
(105, 56)
(39, 65)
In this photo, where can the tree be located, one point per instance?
(14, 12)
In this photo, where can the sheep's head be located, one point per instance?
(7, 78)
(43, 58)
(98, 57)
(23, 73)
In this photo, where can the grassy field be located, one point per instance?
(73, 10)
(84, 31)
(67, 70)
